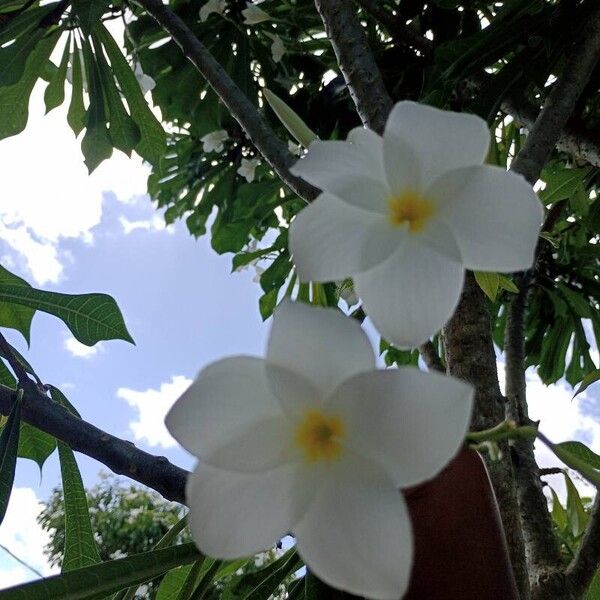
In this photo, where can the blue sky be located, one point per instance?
(65, 231)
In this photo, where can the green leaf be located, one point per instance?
(507, 284)
(489, 283)
(290, 119)
(19, 25)
(561, 183)
(80, 547)
(35, 444)
(6, 377)
(89, 12)
(9, 444)
(97, 581)
(96, 144)
(61, 399)
(593, 592)
(76, 112)
(14, 57)
(152, 142)
(576, 515)
(15, 316)
(55, 92)
(581, 451)
(172, 583)
(559, 514)
(14, 99)
(90, 317)
(267, 303)
(590, 378)
(123, 131)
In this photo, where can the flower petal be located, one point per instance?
(348, 171)
(441, 140)
(327, 239)
(320, 344)
(356, 535)
(411, 422)
(230, 418)
(494, 214)
(412, 294)
(238, 514)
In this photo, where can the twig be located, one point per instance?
(258, 130)
(118, 455)
(20, 560)
(356, 61)
(542, 544)
(401, 32)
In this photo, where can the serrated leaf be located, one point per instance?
(80, 548)
(97, 581)
(89, 12)
(489, 283)
(76, 112)
(55, 92)
(124, 133)
(95, 145)
(14, 99)
(9, 444)
(290, 119)
(90, 317)
(590, 378)
(15, 316)
(36, 445)
(152, 142)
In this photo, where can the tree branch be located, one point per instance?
(543, 552)
(258, 130)
(118, 455)
(362, 75)
(470, 356)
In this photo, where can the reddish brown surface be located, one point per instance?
(460, 552)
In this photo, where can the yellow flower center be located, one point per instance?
(320, 435)
(412, 208)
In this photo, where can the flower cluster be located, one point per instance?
(313, 440)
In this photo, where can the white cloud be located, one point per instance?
(76, 348)
(155, 223)
(152, 406)
(47, 195)
(22, 535)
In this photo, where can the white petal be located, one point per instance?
(296, 395)
(412, 294)
(327, 239)
(441, 140)
(402, 165)
(411, 422)
(230, 418)
(320, 344)
(494, 214)
(348, 171)
(371, 145)
(356, 535)
(238, 514)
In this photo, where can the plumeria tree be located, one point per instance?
(428, 168)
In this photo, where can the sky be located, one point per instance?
(65, 231)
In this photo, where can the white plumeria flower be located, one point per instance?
(213, 141)
(406, 214)
(315, 441)
(247, 168)
(277, 47)
(212, 6)
(254, 15)
(146, 82)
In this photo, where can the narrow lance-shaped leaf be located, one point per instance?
(14, 99)
(90, 317)
(80, 547)
(97, 581)
(9, 444)
(89, 12)
(290, 119)
(590, 378)
(14, 57)
(95, 145)
(76, 112)
(153, 140)
(124, 133)
(20, 25)
(55, 92)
